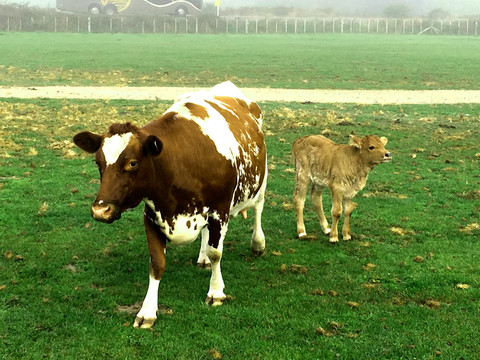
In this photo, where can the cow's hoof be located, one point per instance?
(204, 265)
(347, 238)
(258, 253)
(302, 235)
(333, 240)
(143, 323)
(327, 231)
(214, 301)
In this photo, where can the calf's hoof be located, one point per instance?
(347, 237)
(302, 235)
(214, 301)
(333, 239)
(143, 323)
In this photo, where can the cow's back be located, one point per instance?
(214, 144)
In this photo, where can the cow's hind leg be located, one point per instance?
(258, 238)
(336, 213)
(301, 188)
(156, 244)
(317, 202)
(217, 231)
(348, 206)
(203, 260)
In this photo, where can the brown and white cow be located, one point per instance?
(199, 164)
(342, 168)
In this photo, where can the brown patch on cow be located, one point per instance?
(197, 110)
(189, 223)
(255, 110)
(118, 128)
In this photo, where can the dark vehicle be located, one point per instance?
(132, 7)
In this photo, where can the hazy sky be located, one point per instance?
(361, 7)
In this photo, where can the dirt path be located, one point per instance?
(265, 94)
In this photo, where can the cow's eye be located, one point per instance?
(372, 147)
(133, 164)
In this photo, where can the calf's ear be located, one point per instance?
(384, 140)
(355, 141)
(152, 146)
(88, 141)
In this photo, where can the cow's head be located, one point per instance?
(372, 149)
(124, 158)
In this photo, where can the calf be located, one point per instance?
(343, 168)
(203, 161)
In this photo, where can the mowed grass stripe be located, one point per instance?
(332, 61)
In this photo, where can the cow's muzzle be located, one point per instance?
(105, 212)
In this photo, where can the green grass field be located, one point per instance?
(296, 61)
(406, 287)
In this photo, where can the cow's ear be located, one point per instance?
(355, 141)
(152, 146)
(88, 141)
(384, 140)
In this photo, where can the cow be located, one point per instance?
(342, 168)
(201, 162)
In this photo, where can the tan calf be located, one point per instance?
(343, 168)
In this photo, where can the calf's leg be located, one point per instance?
(156, 244)
(336, 213)
(301, 187)
(317, 201)
(348, 206)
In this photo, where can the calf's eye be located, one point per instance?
(372, 147)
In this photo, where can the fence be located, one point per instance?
(237, 25)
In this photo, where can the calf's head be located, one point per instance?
(124, 158)
(372, 149)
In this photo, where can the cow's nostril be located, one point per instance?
(387, 155)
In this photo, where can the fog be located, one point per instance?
(343, 7)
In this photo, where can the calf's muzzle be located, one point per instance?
(105, 212)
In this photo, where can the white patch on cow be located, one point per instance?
(150, 303)
(227, 88)
(248, 201)
(214, 126)
(185, 228)
(113, 146)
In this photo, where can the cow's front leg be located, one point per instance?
(203, 260)
(156, 244)
(348, 206)
(217, 231)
